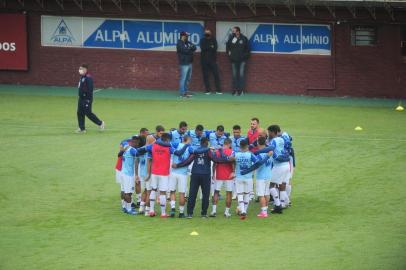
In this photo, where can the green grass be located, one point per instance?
(60, 207)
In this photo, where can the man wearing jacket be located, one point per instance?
(208, 46)
(185, 50)
(238, 51)
(85, 100)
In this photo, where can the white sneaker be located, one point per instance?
(80, 131)
(102, 126)
(227, 214)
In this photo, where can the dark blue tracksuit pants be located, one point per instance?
(196, 181)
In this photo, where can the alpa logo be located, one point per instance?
(62, 34)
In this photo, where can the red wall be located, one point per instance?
(375, 71)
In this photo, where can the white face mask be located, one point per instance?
(81, 72)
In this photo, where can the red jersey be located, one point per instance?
(161, 159)
(119, 163)
(224, 170)
(252, 137)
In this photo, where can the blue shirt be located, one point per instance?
(142, 165)
(196, 139)
(216, 141)
(243, 160)
(176, 159)
(176, 137)
(235, 145)
(128, 161)
(264, 172)
(278, 145)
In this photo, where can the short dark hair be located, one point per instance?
(142, 130)
(204, 140)
(220, 128)
(235, 127)
(86, 66)
(159, 128)
(165, 137)
(261, 140)
(243, 143)
(135, 137)
(274, 128)
(228, 141)
(199, 127)
(237, 28)
(182, 124)
(255, 119)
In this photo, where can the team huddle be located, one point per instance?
(156, 166)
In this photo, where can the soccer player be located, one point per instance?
(280, 169)
(244, 184)
(223, 175)
(292, 163)
(197, 134)
(177, 134)
(161, 152)
(127, 174)
(237, 138)
(151, 138)
(253, 132)
(201, 172)
(217, 138)
(178, 179)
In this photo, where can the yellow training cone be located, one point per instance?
(194, 233)
(358, 128)
(399, 108)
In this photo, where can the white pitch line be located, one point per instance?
(97, 90)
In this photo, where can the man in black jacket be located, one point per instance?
(85, 100)
(208, 45)
(238, 50)
(185, 50)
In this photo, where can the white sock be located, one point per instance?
(173, 204)
(284, 198)
(138, 197)
(241, 202)
(128, 207)
(181, 209)
(152, 200)
(288, 190)
(162, 200)
(227, 210)
(247, 198)
(275, 196)
(142, 206)
(147, 209)
(123, 204)
(214, 208)
(264, 209)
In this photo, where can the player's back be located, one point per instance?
(178, 159)
(264, 172)
(128, 161)
(161, 159)
(279, 149)
(243, 160)
(224, 170)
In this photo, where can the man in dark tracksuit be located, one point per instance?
(201, 175)
(185, 50)
(238, 51)
(208, 46)
(85, 100)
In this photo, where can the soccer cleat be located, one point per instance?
(181, 215)
(80, 131)
(277, 210)
(124, 210)
(213, 214)
(132, 212)
(204, 216)
(262, 215)
(141, 212)
(189, 216)
(234, 93)
(227, 215)
(152, 213)
(133, 206)
(164, 216)
(102, 126)
(146, 214)
(243, 216)
(208, 93)
(219, 93)
(172, 213)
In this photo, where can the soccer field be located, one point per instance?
(60, 206)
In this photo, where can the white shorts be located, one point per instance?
(159, 182)
(118, 177)
(280, 173)
(291, 168)
(243, 185)
(127, 183)
(262, 187)
(178, 182)
(227, 184)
